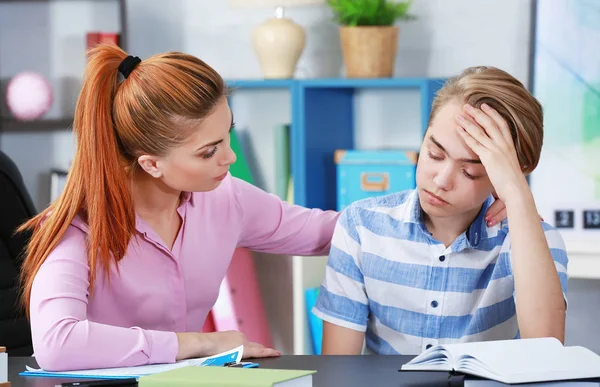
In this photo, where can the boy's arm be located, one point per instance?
(540, 300)
(338, 340)
(537, 257)
(342, 302)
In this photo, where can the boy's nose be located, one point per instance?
(444, 179)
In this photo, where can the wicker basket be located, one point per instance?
(369, 52)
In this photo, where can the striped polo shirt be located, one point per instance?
(387, 276)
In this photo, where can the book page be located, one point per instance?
(476, 358)
(116, 372)
(506, 356)
(437, 358)
(231, 356)
(528, 360)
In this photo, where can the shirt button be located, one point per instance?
(428, 346)
(442, 258)
(434, 303)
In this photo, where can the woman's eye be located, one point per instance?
(210, 154)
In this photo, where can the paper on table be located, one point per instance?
(231, 356)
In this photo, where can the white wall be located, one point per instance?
(448, 36)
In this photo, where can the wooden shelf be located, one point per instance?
(9, 125)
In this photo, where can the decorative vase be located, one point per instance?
(278, 43)
(369, 51)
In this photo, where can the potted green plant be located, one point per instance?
(368, 36)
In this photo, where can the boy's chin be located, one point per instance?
(435, 211)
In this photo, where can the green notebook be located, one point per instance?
(228, 377)
(240, 168)
(281, 134)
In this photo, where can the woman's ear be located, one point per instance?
(149, 165)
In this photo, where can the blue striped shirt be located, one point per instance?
(387, 276)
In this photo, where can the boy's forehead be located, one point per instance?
(444, 132)
(445, 116)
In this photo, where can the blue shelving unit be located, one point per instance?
(323, 120)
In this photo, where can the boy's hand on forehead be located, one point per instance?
(487, 134)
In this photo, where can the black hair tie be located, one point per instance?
(128, 64)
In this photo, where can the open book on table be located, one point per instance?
(511, 361)
(228, 358)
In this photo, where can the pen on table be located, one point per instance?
(241, 365)
(101, 383)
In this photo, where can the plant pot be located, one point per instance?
(369, 51)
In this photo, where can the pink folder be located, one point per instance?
(239, 305)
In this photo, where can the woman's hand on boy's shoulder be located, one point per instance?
(496, 213)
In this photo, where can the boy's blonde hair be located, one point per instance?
(508, 96)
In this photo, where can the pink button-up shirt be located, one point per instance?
(157, 291)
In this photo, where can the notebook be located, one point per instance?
(228, 377)
(229, 358)
(511, 361)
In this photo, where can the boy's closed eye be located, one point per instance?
(472, 175)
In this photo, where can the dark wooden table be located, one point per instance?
(342, 371)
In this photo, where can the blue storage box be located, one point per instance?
(362, 174)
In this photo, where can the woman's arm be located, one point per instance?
(539, 297)
(65, 339)
(274, 226)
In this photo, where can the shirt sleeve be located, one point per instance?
(63, 337)
(559, 255)
(273, 226)
(342, 297)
